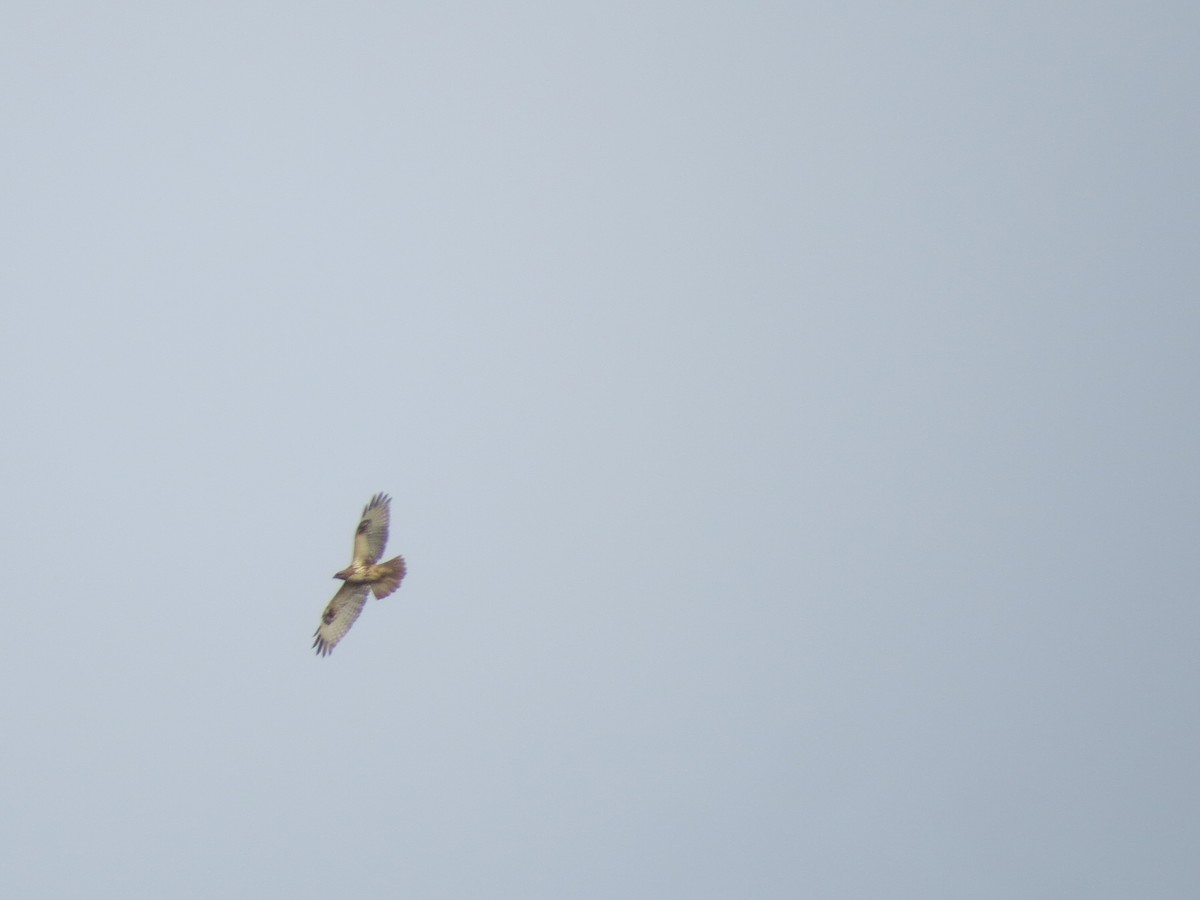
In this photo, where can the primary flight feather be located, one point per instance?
(364, 575)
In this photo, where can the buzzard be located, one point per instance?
(364, 575)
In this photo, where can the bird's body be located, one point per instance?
(377, 576)
(365, 575)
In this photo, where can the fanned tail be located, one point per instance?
(392, 573)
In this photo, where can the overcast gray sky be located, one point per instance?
(790, 410)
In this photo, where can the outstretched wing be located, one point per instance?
(372, 532)
(339, 615)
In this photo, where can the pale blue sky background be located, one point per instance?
(790, 411)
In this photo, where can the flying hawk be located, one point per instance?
(364, 575)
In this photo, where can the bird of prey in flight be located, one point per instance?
(364, 575)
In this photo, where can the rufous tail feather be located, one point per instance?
(393, 573)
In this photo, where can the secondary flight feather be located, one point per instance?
(365, 575)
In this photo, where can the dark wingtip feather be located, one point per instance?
(323, 649)
(380, 499)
